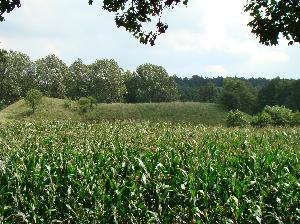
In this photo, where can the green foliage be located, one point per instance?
(93, 101)
(2, 105)
(238, 94)
(85, 104)
(262, 119)
(3, 60)
(280, 115)
(208, 93)
(16, 75)
(293, 99)
(271, 19)
(52, 76)
(273, 93)
(236, 119)
(296, 120)
(141, 172)
(79, 82)
(151, 83)
(33, 98)
(107, 82)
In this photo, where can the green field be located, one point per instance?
(147, 172)
(59, 109)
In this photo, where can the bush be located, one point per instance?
(261, 120)
(33, 98)
(236, 119)
(280, 115)
(86, 104)
(2, 104)
(296, 120)
(67, 103)
(93, 101)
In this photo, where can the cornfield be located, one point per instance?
(143, 172)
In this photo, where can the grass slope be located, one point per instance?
(55, 109)
(50, 109)
(199, 113)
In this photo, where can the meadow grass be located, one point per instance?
(60, 109)
(189, 112)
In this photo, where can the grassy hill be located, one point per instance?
(50, 109)
(59, 109)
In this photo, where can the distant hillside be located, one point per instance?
(58, 109)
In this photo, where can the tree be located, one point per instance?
(3, 60)
(273, 93)
(52, 75)
(78, 85)
(7, 6)
(293, 100)
(270, 17)
(17, 75)
(33, 98)
(188, 94)
(208, 93)
(151, 83)
(238, 94)
(107, 82)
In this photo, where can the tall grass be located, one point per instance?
(141, 172)
(59, 109)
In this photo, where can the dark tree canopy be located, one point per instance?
(6, 6)
(270, 18)
(133, 14)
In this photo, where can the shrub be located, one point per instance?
(296, 120)
(33, 98)
(236, 119)
(93, 101)
(261, 120)
(280, 115)
(86, 104)
(2, 104)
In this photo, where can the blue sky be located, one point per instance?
(208, 38)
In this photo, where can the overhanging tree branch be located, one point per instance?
(270, 18)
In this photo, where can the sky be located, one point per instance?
(208, 38)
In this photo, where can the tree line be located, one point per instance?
(107, 82)
(248, 95)
(103, 80)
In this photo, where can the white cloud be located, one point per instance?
(217, 27)
(206, 36)
(223, 29)
(216, 69)
(270, 57)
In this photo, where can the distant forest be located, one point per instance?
(105, 81)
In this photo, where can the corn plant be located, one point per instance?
(142, 172)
